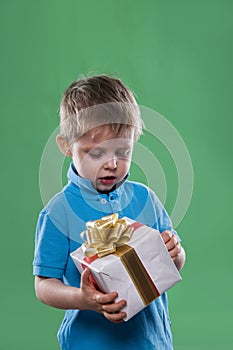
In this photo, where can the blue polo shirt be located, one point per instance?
(58, 234)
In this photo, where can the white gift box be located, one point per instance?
(138, 285)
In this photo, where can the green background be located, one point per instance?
(177, 56)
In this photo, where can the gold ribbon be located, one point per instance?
(104, 235)
(138, 274)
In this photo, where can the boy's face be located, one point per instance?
(102, 157)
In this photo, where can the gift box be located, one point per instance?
(129, 258)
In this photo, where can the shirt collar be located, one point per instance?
(86, 186)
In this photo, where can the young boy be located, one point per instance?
(100, 121)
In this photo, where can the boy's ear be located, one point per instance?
(63, 146)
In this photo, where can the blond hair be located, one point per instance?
(95, 101)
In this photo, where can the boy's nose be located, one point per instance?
(111, 164)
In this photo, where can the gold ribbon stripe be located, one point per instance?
(138, 274)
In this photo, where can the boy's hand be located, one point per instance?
(172, 243)
(105, 304)
(174, 248)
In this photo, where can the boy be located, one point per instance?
(100, 121)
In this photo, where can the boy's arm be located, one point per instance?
(176, 251)
(54, 292)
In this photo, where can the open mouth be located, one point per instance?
(107, 179)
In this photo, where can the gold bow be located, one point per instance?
(104, 235)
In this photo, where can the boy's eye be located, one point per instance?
(95, 154)
(123, 153)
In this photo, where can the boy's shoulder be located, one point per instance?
(143, 193)
(60, 198)
(58, 201)
(139, 187)
(57, 212)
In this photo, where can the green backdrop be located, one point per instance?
(177, 56)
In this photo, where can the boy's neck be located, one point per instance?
(108, 191)
(103, 192)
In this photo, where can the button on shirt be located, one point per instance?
(103, 200)
(58, 234)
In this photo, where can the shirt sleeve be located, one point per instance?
(163, 219)
(51, 249)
